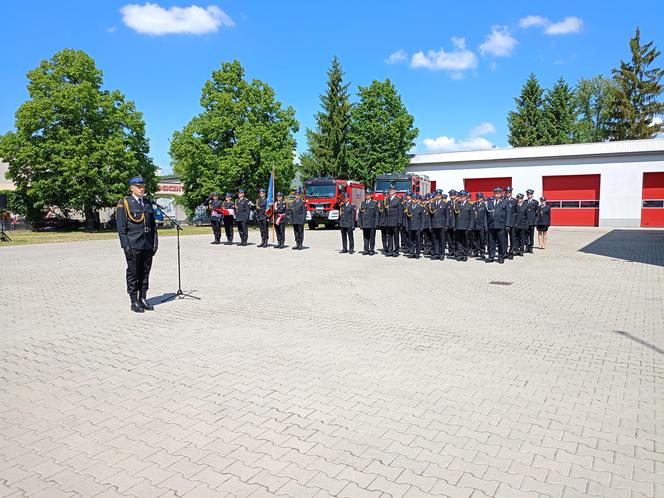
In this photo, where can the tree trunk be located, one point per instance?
(91, 219)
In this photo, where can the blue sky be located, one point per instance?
(457, 65)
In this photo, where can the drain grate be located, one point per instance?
(500, 282)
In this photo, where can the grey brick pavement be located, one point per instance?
(319, 374)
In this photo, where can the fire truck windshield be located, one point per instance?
(402, 185)
(321, 190)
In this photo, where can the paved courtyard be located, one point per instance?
(313, 373)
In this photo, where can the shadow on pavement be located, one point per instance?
(640, 341)
(641, 246)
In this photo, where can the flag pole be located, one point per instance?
(274, 200)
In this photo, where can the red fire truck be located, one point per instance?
(323, 196)
(404, 182)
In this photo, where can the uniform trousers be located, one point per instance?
(439, 235)
(281, 233)
(262, 226)
(228, 228)
(479, 241)
(139, 263)
(520, 239)
(369, 236)
(462, 242)
(242, 230)
(530, 237)
(298, 233)
(392, 240)
(497, 242)
(215, 221)
(383, 238)
(415, 237)
(347, 239)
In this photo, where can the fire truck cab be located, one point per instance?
(404, 182)
(323, 196)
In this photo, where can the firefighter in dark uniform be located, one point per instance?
(216, 213)
(380, 223)
(520, 225)
(532, 219)
(279, 211)
(242, 211)
(438, 211)
(138, 237)
(496, 214)
(261, 217)
(451, 224)
(298, 215)
(464, 211)
(414, 212)
(228, 207)
(393, 213)
(427, 237)
(479, 226)
(367, 220)
(347, 218)
(404, 236)
(510, 215)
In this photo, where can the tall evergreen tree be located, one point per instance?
(328, 143)
(593, 99)
(526, 123)
(381, 133)
(559, 114)
(638, 88)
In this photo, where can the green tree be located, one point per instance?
(559, 114)
(328, 144)
(638, 88)
(381, 133)
(241, 135)
(593, 100)
(526, 123)
(75, 145)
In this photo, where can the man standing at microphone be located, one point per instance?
(138, 237)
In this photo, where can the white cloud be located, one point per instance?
(152, 19)
(450, 144)
(499, 42)
(656, 121)
(112, 29)
(457, 61)
(528, 21)
(482, 129)
(396, 57)
(568, 25)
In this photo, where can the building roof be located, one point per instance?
(652, 145)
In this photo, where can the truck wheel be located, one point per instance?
(312, 225)
(198, 223)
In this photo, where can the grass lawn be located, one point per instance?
(23, 237)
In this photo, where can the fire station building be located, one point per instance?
(607, 184)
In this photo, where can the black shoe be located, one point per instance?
(295, 248)
(501, 261)
(351, 251)
(417, 256)
(135, 304)
(343, 251)
(489, 260)
(214, 242)
(511, 256)
(142, 300)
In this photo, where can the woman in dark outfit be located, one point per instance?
(543, 222)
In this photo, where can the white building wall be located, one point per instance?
(621, 179)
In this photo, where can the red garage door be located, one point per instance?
(574, 199)
(485, 185)
(652, 212)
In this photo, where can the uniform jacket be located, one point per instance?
(480, 218)
(228, 205)
(451, 216)
(261, 206)
(426, 216)
(242, 209)
(280, 208)
(496, 213)
(532, 211)
(393, 211)
(380, 218)
(521, 217)
(414, 213)
(298, 212)
(439, 213)
(215, 209)
(136, 225)
(544, 215)
(510, 211)
(347, 215)
(464, 213)
(368, 215)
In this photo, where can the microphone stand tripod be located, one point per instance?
(179, 294)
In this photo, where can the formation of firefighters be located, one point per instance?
(493, 228)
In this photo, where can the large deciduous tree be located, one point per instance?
(75, 144)
(593, 99)
(241, 135)
(381, 133)
(327, 153)
(637, 92)
(559, 114)
(526, 123)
